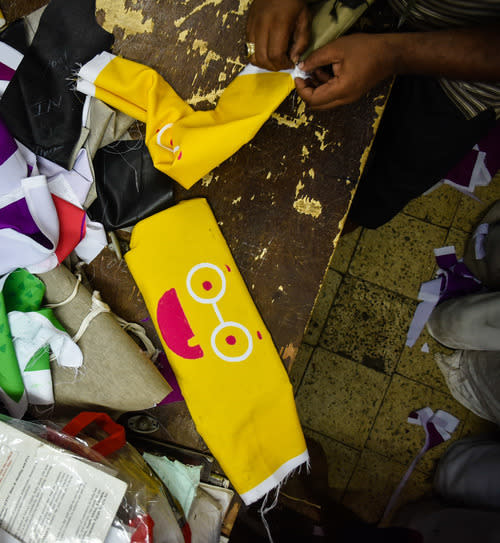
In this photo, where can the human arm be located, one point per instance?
(280, 31)
(360, 61)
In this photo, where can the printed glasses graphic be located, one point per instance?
(207, 288)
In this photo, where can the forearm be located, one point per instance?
(467, 54)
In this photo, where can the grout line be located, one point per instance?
(332, 438)
(384, 396)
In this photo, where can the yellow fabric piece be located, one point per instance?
(228, 369)
(197, 141)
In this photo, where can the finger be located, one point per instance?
(319, 96)
(260, 58)
(277, 47)
(301, 35)
(322, 75)
(331, 105)
(327, 54)
(257, 33)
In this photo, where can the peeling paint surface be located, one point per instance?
(117, 14)
(298, 188)
(308, 206)
(262, 254)
(289, 352)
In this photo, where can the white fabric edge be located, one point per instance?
(94, 67)
(441, 251)
(274, 479)
(3, 87)
(85, 87)
(9, 56)
(251, 69)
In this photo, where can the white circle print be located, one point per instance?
(195, 296)
(221, 355)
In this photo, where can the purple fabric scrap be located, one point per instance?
(456, 278)
(17, 216)
(479, 165)
(166, 370)
(6, 72)
(8, 145)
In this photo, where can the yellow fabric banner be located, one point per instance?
(229, 371)
(186, 144)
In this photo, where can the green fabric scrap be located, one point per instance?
(181, 480)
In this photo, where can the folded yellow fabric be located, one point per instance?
(186, 144)
(229, 371)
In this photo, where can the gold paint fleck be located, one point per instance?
(253, 197)
(222, 76)
(210, 97)
(199, 7)
(305, 151)
(201, 46)
(298, 188)
(262, 254)
(308, 206)
(205, 181)
(236, 200)
(182, 35)
(280, 288)
(268, 176)
(211, 55)
(290, 352)
(321, 138)
(117, 14)
(312, 173)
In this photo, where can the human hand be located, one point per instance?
(358, 62)
(280, 30)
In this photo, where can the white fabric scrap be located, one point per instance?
(479, 239)
(429, 294)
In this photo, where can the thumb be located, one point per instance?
(328, 54)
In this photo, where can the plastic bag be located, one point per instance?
(57, 488)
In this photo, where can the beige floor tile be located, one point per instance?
(341, 462)
(344, 251)
(300, 364)
(368, 324)
(340, 398)
(374, 481)
(438, 207)
(470, 211)
(322, 305)
(475, 425)
(420, 366)
(398, 256)
(457, 238)
(394, 437)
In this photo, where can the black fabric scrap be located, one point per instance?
(40, 107)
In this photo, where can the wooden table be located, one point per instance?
(282, 199)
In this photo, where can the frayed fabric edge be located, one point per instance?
(276, 479)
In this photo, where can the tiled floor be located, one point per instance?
(355, 381)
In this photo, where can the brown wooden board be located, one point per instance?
(282, 199)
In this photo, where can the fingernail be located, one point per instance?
(301, 65)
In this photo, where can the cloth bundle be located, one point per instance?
(116, 374)
(228, 369)
(41, 215)
(38, 105)
(26, 333)
(186, 144)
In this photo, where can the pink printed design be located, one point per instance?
(173, 148)
(175, 328)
